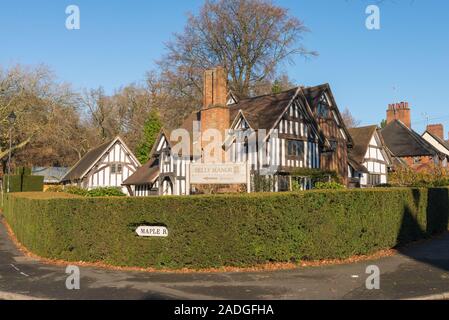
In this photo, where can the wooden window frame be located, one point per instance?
(299, 149)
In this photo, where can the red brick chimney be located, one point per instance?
(436, 130)
(215, 88)
(215, 113)
(399, 111)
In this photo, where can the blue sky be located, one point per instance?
(406, 60)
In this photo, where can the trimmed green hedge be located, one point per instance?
(15, 183)
(226, 230)
(32, 183)
(23, 182)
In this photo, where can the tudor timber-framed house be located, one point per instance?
(370, 159)
(107, 165)
(303, 125)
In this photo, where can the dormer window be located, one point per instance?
(323, 109)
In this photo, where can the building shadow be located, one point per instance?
(414, 228)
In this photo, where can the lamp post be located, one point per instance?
(11, 119)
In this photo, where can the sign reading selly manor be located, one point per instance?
(219, 173)
(145, 231)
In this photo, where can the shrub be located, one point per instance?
(105, 192)
(97, 192)
(226, 230)
(296, 184)
(328, 186)
(75, 190)
(431, 177)
(57, 188)
(384, 185)
(317, 175)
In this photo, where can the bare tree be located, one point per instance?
(123, 113)
(250, 38)
(47, 129)
(131, 105)
(98, 112)
(349, 119)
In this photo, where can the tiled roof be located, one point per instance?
(361, 137)
(404, 142)
(146, 174)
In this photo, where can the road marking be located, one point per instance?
(18, 270)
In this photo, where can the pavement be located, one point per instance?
(420, 271)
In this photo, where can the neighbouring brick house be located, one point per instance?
(406, 144)
(310, 133)
(434, 134)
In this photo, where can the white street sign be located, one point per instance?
(220, 173)
(145, 231)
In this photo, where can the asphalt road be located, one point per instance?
(420, 270)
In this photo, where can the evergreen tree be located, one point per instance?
(277, 87)
(151, 129)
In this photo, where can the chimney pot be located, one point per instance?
(437, 130)
(399, 111)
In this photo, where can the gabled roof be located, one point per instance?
(85, 164)
(361, 137)
(313, 95)
(443, 143)
(262, 112)
(232, 97)
(146, 174)
(404, 142)
(357, 165)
